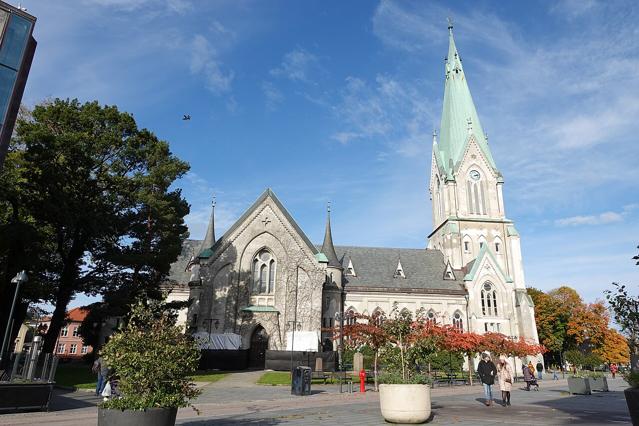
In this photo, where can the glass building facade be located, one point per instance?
(17, 47)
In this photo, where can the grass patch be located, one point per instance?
(74, 375)
(209, 376)
(275, 378)
(282, 378)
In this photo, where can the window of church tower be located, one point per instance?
(467, 246)
(496, 247)
(458, 323)
(475, 193)
(488, 300)
(264, 270)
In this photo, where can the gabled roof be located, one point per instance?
(268, 193)
(74, 315)
(485, 251)
(460, 121)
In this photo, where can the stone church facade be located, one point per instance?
(264, 277)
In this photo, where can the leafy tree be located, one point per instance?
(367, 331)
(625, 308)
(101, 188)
(614, 349)
(23, 244)
(588, 324)
(551, 319)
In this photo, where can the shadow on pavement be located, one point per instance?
(600, 407)
(69, 400)
(232, 422)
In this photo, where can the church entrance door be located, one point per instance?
(259, 345)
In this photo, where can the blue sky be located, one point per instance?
(333, 100)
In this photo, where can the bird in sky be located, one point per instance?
(186, 117)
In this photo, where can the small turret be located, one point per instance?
(334, 268)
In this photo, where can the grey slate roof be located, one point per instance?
(177, 272)
(375, 268)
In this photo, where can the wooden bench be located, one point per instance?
(320, 375)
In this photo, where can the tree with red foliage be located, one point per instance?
(366, 331)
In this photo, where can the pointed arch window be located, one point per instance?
(458, 322)
(350, 318)
(431, 318)
(475, 193)
(264, 272)
(378, 317)
(489, 300)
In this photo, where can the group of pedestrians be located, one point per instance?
(504, 375)
(502, 372)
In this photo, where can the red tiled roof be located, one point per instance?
(76, 314)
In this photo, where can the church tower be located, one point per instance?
(469, 219)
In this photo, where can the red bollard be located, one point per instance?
(362, 380)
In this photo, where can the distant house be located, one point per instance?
(69, 344)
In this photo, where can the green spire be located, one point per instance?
(459, 117)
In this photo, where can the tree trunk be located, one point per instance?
(401, 351)
(470, 369)
(57, 319)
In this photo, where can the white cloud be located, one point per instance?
(204, 62)
(390, 111)
(600, 219)
(296, 65)
(174, 6)
(273, 96)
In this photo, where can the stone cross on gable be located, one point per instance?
(266, 221)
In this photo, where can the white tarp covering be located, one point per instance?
(218, 341)
(304, 341)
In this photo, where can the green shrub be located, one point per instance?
(153, 360)
(395, 378)
(632, 377)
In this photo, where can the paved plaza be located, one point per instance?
(236, 400)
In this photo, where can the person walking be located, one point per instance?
(487, 372)
(97, 369)
(613, 370)
(540, 369)
(528, 376)
(506, 377)
(102, 369)
(532, 368)
(554, 373)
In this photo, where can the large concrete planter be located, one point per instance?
(148, 417)
(579, 385)
(405, 403)
(599, 384)
(25, 396)
(632, 399)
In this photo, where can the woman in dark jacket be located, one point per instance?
(487, 371)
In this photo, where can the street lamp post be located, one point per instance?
(21, 277)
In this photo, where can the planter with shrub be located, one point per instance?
(632, 395)
(152, 359)
(404, 392)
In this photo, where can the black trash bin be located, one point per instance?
(301, 383)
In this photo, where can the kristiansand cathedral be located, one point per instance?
(265, 285)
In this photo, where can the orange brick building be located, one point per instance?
(69, 344)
